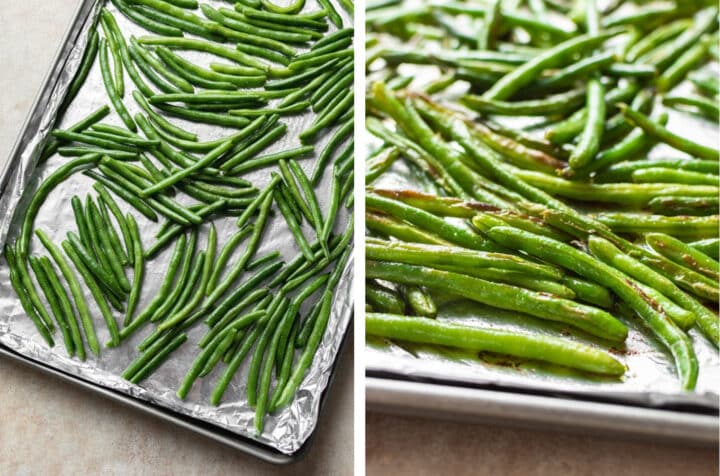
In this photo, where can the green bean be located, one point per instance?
(55, 304)
(683, 254)
(683, 205)
(589, 319)
(553, 57)
(188, 270)
(328, 118)
(623, 171)
(21, 268)
(636, 143)
(621, 193)
(122, 253)
(265, 138)
(160, 121)
(239, 22)
(67, 308)
(591, 136)
(113, 43)
(312, 201)
(234, 364)
(265, 160)
(203, 117)
(704, 21)
(239, 266)
(425, 220)
(389, 226)
(672, 337)
(699, 227)
(106, 247)
(105, 277)
(306, 358)
(557, 350)
(263, 260)
(340, 135)
(144, 21)
(83, 70)
(183, 174)
(198, 280)
(113, 94)
(262, 39)
(708, 85)
(302, 20)
(224, 256)
(272, 325)
(54, 145)
(142, 360)
(74, 289)
(589, 292)
(664, 175)
(125, 194)
(565, 131)
(293, 226)
(96, 292)
(162, 293)
(41, 194)
(383, 298)
(158, 359)
(24, 296)
(557, 104)
(677, 71)
(430, 255)
(204, 46)
(197, 368)
(706, 107)
(656, 37)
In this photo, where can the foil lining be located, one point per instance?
(651, 379)
(288, 429)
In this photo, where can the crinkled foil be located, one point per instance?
(651, 378)
(285, 431)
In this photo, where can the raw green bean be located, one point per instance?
(53, 300)
(75, 290)
(138, 269)
(163, 292)
(83, 70)
(158, 359)
(24, 297)
(41, 194)
(97, 294)
(67, 308)
(113, 94)
(206, 47)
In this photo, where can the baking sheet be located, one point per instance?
(650, 380)
(288, 429)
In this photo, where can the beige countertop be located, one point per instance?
(51, 427)
(400, 446)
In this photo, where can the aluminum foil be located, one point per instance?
(651, 378)
(287, 430)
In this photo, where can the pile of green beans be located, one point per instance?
(157, 185)
(536, 178)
